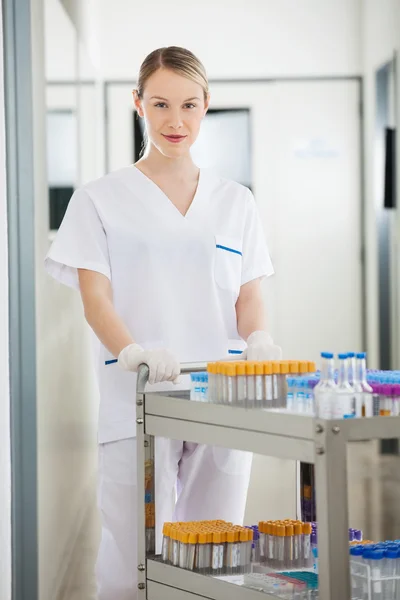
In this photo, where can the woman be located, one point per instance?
(168, 259)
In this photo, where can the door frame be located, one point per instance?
(22, 322)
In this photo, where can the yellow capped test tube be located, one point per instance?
(259, 383)
(268, 385)
(282, 385)
(276, 370)
(192, 548)
(241, 383)
(251, 384)
(231, 384)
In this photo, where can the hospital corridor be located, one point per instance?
(199, 300)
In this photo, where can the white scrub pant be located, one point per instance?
(210, 483)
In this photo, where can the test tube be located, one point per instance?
(268, 385)
(231, 384)
(272, 544)
(374, 559)
(165, 542)
(175, 535)
(183, 549)
(280, 546)
(222, 549)
(241, 383)
(297, 539)
(282, 385)
(215, 553)
(390, 572)
(276, 370)
(249, 545)
(211, 379)
(259, 382)
(307, 556)
(218, 383)
(251, 384)
(262, 533)
(224, 385)
(209, 549)
(243, 539)
(289, 543)
(230, 560)
(396, 400)
(200, 560)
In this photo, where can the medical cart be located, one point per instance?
(287, 436)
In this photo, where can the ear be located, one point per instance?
(137, 103)
(206, 104)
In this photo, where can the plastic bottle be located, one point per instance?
(344, 397)
(390, 571)
(310, 400)
(324, 392)
(374, 558)
(361, 377)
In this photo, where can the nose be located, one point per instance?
(175, 120)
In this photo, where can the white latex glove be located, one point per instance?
(163, 365)
(260, 346)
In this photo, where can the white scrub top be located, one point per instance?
(175, 279)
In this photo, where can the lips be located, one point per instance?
(175, 139)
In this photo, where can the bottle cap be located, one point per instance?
(289, 530)
(343, 356)
(294, 367)
(243, 536)
(361, 355)
(284, 367)
(230, 538)
(350, 354)
(298, 529)
(267, 368)
(184, 537)
(259, 368)
(280, 530)
(303, 366)
(307, 529)
(276, 367)
(241, 368)
(216, 537)
(312, 367)
(231, 370)
(202, 538)
(250, 368)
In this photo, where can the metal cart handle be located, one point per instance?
(186, 368)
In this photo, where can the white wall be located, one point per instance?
(244, 38)
(380, 38)
(66, 392)
(5, 473)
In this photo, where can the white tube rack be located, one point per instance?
(289, 436)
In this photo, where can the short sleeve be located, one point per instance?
(80, 243)
(256, 260)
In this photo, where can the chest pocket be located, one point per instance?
(228, 262)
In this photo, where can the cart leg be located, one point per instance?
(145, 497)
(332, 511)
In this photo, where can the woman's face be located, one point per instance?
(173, 108)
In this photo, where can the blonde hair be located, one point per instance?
(176, 59)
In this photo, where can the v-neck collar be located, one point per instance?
(152, 185)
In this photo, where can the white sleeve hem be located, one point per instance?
(257, 273)
(68, 273)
